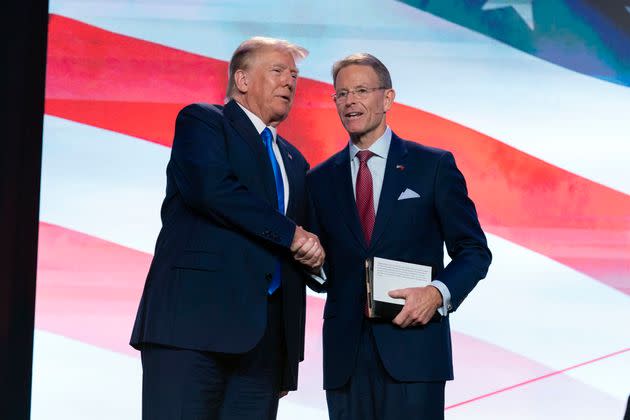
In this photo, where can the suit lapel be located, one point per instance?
(342, 186)
(245, 128)
(393, 184)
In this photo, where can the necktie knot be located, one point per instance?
(267, 136)
(364, 156)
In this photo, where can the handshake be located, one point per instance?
(307, 250)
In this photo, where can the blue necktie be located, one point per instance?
(268, 140)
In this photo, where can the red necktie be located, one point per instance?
(365, 195)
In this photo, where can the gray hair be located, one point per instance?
(241, 59)
(364, 59)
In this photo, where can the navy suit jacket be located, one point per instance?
(413, 230)
(221, 235)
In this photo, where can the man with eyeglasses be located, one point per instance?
(382, 196)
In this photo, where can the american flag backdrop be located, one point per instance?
(532, 97)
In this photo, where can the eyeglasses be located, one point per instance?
(359, 93)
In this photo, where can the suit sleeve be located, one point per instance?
(316, 283)
(465, 241)
(207, 183)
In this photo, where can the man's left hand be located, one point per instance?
(420, 305)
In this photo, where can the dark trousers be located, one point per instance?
(372, 394)
(181, 384)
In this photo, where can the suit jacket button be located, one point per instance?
(268, 276)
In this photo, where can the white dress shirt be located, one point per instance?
(260, 126)
(376, 164)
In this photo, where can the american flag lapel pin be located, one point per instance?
(400, 167)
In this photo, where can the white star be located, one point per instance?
(522, 7)
(628, 9)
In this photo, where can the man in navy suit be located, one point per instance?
(382, 196)
(221, 320)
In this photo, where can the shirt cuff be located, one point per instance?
(446, 297)
(321, 277)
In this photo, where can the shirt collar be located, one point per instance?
(258, 123)
(380, 147)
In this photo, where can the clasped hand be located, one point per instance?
(307, 249)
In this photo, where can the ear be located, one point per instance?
(241, 80)
(388, 99)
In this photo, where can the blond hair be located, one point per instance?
(242, 57)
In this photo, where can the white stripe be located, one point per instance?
(573, 121)
(75, 381)
(102, 183)
(68, 383)
(549, 313)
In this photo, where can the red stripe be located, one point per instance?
(136, 87)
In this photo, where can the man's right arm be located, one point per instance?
(316, 279)
(208, 184)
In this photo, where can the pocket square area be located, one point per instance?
(407, 194)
